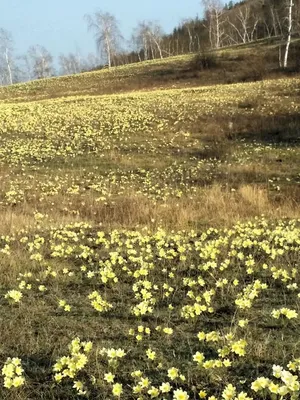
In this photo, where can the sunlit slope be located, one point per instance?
(241, 63)
(146, 122)
(133, 158)
(105, 81)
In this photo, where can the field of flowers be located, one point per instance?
(150, 244)
(105, 81)
(88, 157)
(131, 314)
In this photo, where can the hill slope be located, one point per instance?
(150, 238)
(240, 63)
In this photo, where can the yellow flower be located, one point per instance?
(136, 374)
(179, 394)
(62, 303)
(18, 381)
(226, 362)
(243, 396)
(243, 322)
(274, 388)
(260, 383)
(173, 373)
(120, 353)
(151, 354)
(58, 377)
(165, 387)
(168, 331)
(109, 377)
(201, 336)
(153, 392)
(229, 392)
(239, 347)
(117, 389)
(137, 389)
(144, 382)
(199, 357)
(78, 385)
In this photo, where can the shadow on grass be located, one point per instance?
(278, 130)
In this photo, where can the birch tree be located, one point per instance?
(155, 35)
(70, 63)
(214, 13)
(148, 37)
(141, 39)
(6, 57)
(107, 34)
(40, 62)
(244, 22)
(187, 25)
(290, 6)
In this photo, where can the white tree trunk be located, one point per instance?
(279, 56)
(8, 67)
(286, 54)
(145, 45)
(108, 52)
(158, 47)
(217, 29)
(190, 39)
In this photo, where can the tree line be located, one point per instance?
(222, 24)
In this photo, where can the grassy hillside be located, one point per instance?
(241, 63)
(150, 238)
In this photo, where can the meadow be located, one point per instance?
(150, 240)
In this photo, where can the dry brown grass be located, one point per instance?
(211, 206)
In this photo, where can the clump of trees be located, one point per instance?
(222, 24)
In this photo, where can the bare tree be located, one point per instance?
(92, 61)
(107, 34)
(148, 36)
(155, 34)
(70, 64)
(136, 46)
(244, 22)
(6, 58)
(188, 26)
(276, 25)
(23, 68)
(40, 62)
(290, 6)
(243, 17)
(141, 39)
(214, 13)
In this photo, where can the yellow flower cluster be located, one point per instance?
(69, 366)
(99, 303)
(289, 384)
(250, 292)
(14, 296)
(176, 353)
(13, 373)
(139, 335)
(288, 313)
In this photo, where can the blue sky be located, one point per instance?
(59, 26)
